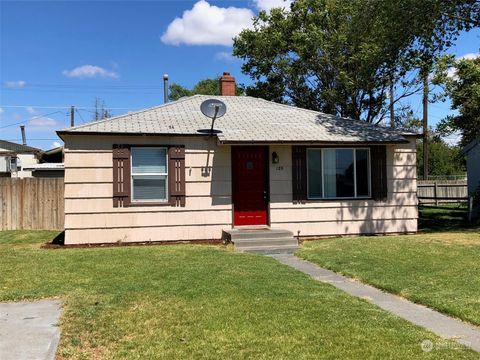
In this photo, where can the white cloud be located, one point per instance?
(452, 72)
(56, 144)
(205, 24)
(31, 110)
(1, 111)
(90, 71)
(469, 56)
(17, 84)
(267, 5)
(42, 121)
(224, 56)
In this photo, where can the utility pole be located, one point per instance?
(425, 125)
(72, 116)
(392, 108)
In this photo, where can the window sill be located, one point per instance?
(144, 204)
(338, 199)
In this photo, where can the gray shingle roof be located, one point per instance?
(18, 148)
(247, 119)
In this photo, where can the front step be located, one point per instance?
(270, 250)
(261, 241)
(266, 242)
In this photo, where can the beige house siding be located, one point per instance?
(91, 218)
(89, 213)
(346, 217)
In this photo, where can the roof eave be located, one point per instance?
(309, 142)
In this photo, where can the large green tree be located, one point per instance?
(203, 87)
(443, 159)
(341, 56)
(462, 86)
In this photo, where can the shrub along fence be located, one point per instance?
(31, 204)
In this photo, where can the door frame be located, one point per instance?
(267, 183)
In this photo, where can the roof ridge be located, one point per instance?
(182, 99)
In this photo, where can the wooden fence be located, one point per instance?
(444, 191)
(31, 204)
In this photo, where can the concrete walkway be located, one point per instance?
(29, 330)
(429, 319)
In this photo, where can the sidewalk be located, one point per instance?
(29, 330)
(442, 325)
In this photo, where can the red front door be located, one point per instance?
(249, 171)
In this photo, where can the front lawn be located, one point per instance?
(445, 217)
(186, 301)
(440, 270)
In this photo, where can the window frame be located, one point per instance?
(132, 175)
(355, 197)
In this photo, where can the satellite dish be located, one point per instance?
(213, 109)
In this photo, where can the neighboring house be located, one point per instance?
(51, 164)
(15, 158)
(472, 153)
(151, 176)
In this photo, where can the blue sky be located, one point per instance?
(60, 53)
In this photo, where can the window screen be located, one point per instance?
(149, 174)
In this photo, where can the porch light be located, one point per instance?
(275, 158)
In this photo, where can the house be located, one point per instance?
(22, 161)
(50, 164)
(15, 157)
(472, 153)
(151, 175)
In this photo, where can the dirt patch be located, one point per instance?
(52, 245)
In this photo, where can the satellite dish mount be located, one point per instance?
(213, 109)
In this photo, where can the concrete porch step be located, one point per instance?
(248, 234)
(269, 250)
(266, 242)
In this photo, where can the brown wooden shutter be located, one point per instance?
(121, 175)
(176, 175)
(379, 172)
(299, 174)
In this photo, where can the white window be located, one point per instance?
(338, 173)
(149, 174)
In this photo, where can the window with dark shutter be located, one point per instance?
(299, 174)
(149, 168)
(121, 175)
(379, 172)
(176, 175)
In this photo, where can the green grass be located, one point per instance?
(445, 217)
(194, 302)
(440, 270)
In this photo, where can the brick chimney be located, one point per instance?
(227, 85)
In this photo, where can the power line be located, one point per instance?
(18, 123)
(32, 118)
(68, 86)
(29, 139)
(60, 107)
(81, 117)
(87, 91)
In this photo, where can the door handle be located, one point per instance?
(265, 195)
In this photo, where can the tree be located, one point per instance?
(443, 159)
(203, 87)
(340, 57)
(101, 111)
(463, 87)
